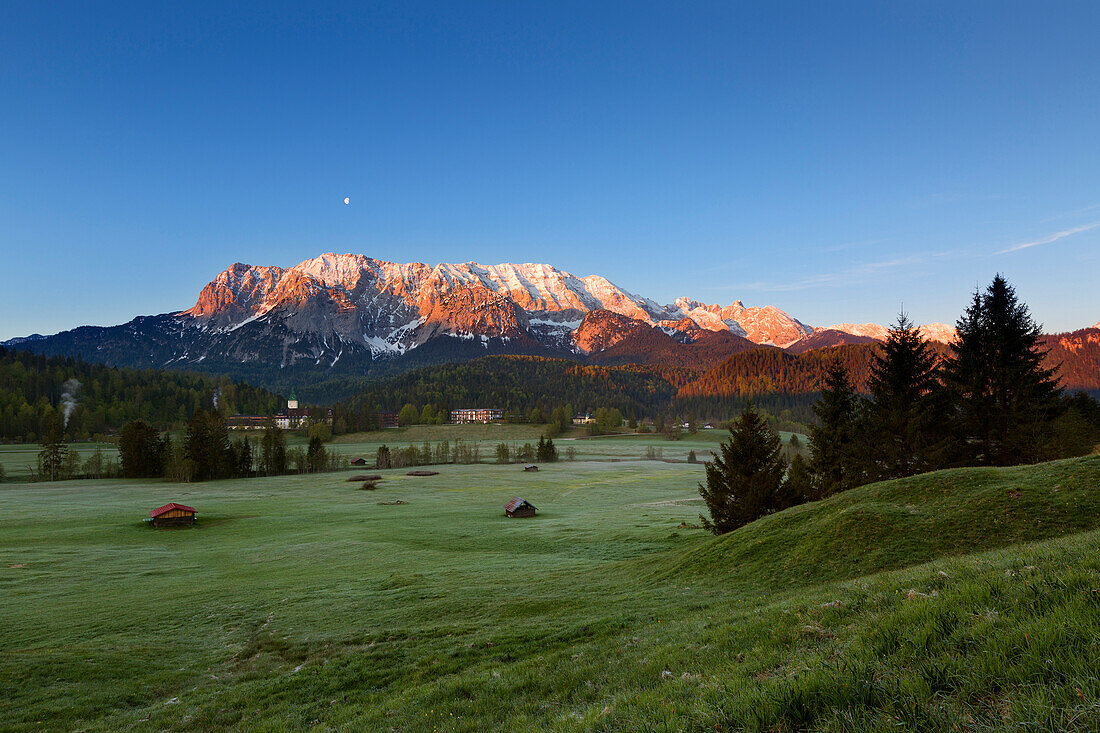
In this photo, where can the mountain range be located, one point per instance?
(352, 314)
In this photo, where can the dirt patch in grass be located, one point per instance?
(422, 473)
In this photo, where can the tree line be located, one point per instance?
(518, 385)
(987, 400)
(39, 393)
(206, 452)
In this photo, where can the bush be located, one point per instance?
(321, 431)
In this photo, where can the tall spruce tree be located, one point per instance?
(745, 480)
(900, 428)
(833, 466)
(273, 460)
(54, 453)
(1004, 400)
(315, 455)
(142, 450)
(545, 451)
(800, 483)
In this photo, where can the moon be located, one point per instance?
(347, 200)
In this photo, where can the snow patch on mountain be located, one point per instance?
(939, 332)
(931, 331)
(870, 330)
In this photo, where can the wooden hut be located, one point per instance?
(173, 515)
(530, 467)
(359, 462)
(518, 507)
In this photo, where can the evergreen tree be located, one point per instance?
(900, 425)
(142, 450)
(242, 457)
(745, 481)
(224, 465)
(206, 445)
(197, 446)
(833, 465)
(273, 458)
(315, 455)
(545, 452)
(800, 484)
(52, 457)
(1004, 400)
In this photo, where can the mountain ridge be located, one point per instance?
(368, 316)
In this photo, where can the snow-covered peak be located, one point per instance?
(763, 325)
(869, 330)
(333, 269)
(938, 332)
(931, 331)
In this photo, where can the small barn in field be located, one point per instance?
(359, 461)
(173, 515)
(518, 507)
(530, 467)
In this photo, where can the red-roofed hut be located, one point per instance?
(173, 515)
(518, 507)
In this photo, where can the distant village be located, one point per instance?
(291, 417)
(296, 417)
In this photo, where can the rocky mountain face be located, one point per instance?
(361, 314)
(932, 331)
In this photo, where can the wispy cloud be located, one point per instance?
(1051, 238)
(846, 275)
(854, 245)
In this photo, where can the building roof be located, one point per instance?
(169, 507)
(517, 503)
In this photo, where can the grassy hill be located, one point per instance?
(302, 602)
(903, 522)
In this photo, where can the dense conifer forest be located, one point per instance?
(91, 399)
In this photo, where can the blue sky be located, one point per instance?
(837, 160)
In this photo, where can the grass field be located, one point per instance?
(303, 602)
(18, 459)
(620, 446)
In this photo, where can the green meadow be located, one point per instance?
(615, 446)
(965, 599)
(18, 459)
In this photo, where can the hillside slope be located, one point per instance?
(895, 524)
